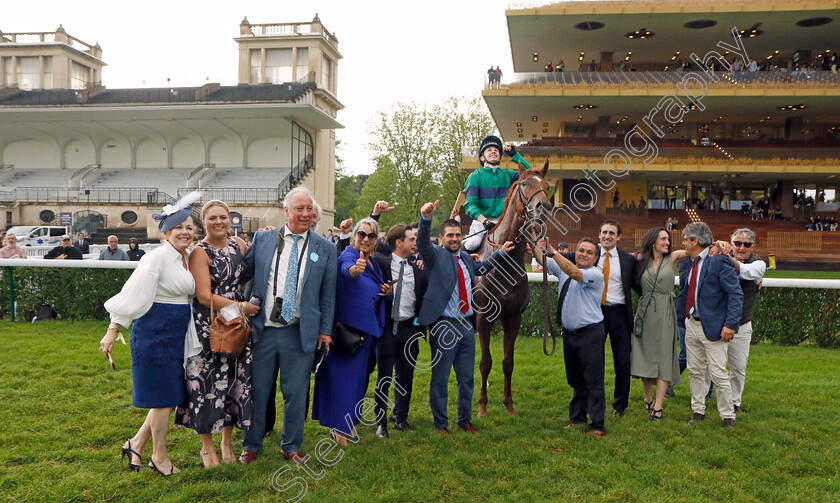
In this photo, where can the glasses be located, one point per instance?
(739, 244)
(371, 235)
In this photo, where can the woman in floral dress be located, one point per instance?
(218, 387)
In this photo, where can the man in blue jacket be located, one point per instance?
(710, 302)
(449, 312)
(294, 271)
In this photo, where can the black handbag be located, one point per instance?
(346, 340)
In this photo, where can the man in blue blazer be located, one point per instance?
(710, 302)
(449, 312)
(294, 271)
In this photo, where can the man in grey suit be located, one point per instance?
(448, 309)
(294, 272)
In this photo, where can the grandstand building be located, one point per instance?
(662, 94)
(112, 157)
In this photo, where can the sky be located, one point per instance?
(393, 51)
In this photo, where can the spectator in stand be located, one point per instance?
(810, 224)
(833, 224)
(113, 252)
(753, 66)
(633, 68)
(615, 197)
(832, 63)
(491, 76)
(548, 68)
(632, 209)
(11, 250)
(818, 225)
(745, 209)
(672, 199)
(593, 67)
(737, 65)
(821, 196)
(642, 203)
(561, 66)
(498, 73)
(64, 250)
(623, 67)
(134, 251)
(563, 247)
(82, 244)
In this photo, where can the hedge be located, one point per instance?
(784, 316)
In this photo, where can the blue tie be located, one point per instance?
(290, 289)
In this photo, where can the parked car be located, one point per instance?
(38, 235)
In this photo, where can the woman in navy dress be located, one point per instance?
(360, 304)
(157, 299)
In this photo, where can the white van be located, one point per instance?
(37, 235)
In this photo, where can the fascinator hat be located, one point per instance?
(176, 212)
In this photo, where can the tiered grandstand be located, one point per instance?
(112, 157)
(692, 107)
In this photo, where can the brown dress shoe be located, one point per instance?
(469, 428)
(248, 457)
(292, 456)
(597, 433)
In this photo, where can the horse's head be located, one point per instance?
(532, 192)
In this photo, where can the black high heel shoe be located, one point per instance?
(153, 466)
(649, 405)
(655, 415)
(128, 451)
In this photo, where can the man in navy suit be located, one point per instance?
(294, 271)
(710, 302)
(448, 309)
(395, 348)
(619, 270)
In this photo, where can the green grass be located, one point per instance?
(66, 414)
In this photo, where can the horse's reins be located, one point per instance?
(548, 329)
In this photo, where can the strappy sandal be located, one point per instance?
(153, 466)
(656, 415)
(649, 405)
(227, 459)
(128, 451)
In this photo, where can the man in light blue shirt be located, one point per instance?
(579, 312)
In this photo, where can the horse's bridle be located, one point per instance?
(526, 210)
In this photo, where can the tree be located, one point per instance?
(418, 152)
(348, 189)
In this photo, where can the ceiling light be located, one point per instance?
(518, 124)
(642, 33)
(534, 118)
(536, 56)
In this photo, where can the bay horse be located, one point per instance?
(507, 285)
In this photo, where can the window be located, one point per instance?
(57, 231)
(326, 73)
(40, 231)
(302, 147)
(78, 75)
(8, 71)
(256, 74)
(29, 73)
(302, 63)
(46, 216)
(129, 217)
(278, 65)
(48, 73)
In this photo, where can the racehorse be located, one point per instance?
(506, 286)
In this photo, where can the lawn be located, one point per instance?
(67, 414)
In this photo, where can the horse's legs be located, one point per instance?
(511, 325)
(483, 328)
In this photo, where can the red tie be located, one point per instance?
(464, 301)
(692, 287)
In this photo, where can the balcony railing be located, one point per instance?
(649, 79)
(48, 195)
(289, 29)
(257, 195)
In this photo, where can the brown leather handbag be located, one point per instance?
(228, 337)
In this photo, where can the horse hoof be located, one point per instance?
(482, 413)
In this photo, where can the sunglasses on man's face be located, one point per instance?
(372, 235)
(738, 244)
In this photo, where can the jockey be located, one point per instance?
(487, 188)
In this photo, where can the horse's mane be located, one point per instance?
(509, 196)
